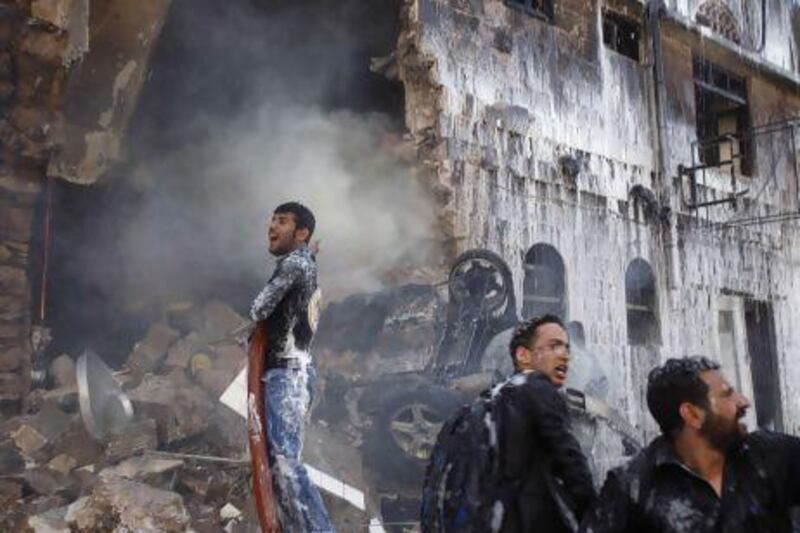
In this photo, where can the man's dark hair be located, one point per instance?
(303, 217)
(675, 382)
(525, 332)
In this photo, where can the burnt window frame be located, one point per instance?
(549, 259)
(711, 82)
(540, 9)
(641, 305)
(616, 21)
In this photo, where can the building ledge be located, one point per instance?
(745, 55)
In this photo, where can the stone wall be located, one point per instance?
(536, 133)
(41, 116)
(35, 50)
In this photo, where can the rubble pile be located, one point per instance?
(180, 464)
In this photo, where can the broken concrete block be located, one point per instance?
(78, 444)
(179, 407)
(182, 350)
(123, 505)
(62, 372)
(62, 463)
(41, 430)
(213, 381)
(185, 316)
(47, 482)
(11, 460)
(137, 437)
(50, 521)
(74, 508)
(149, 353)
(229, 512)
(28, 440)
(10, 490)
(230, 357)
(219, 320)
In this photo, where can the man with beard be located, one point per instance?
(705, 473)
(289, 303)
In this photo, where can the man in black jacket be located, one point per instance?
(705, 473)
(544, 475)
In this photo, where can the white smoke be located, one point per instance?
(372, 214)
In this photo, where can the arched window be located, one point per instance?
(545, 285)
(641, 304)
(719, 18)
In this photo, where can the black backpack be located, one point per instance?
(461, 493)
(460, 490)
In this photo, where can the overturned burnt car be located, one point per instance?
(398, 363)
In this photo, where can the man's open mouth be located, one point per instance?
(561, 371)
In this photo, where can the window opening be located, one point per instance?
(728, 353)
(542, 9)
(621, 34)
(640, 300)
(760, 326)
(723, 117)
(544, 287)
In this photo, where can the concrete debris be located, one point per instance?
(11, 460)
(179, 408)
(229, 512)
(182, 351)
(42, 430)
(137, 437)
(150, 352)
(63, 464)
(219, 321)
(63, 479)
(119, 504)
(47, 482)
(50, 521)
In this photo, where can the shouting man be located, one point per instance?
(705, 473)
(289, 304)
(543, 473)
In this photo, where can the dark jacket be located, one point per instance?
(656, 493)
(289, 304)
(539, 454)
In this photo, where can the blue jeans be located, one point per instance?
(289, 392)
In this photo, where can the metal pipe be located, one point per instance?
(763, 27)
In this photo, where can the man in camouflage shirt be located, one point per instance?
(289, 303)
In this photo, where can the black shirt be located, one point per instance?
(655, 492)
(290, 304)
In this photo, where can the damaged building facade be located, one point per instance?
(635, 165)
(632, 162)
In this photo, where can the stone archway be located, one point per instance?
(717, 16)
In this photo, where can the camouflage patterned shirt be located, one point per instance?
(289, 303)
